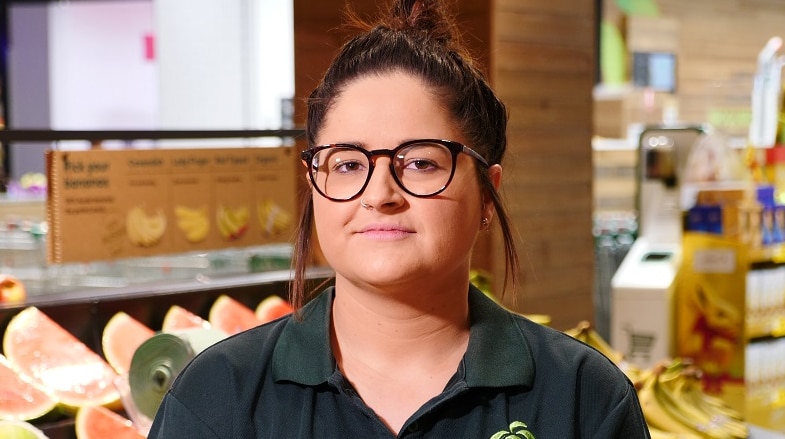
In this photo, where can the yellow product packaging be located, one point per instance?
(711, 308)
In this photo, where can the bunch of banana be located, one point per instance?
(273, 218)
(663, 394)
(145, 230)
(193, 222)
(232, 223)
(684, 382)
(586, 333)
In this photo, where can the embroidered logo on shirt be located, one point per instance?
(518, 430)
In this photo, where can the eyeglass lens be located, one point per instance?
(422, 169)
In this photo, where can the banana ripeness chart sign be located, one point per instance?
(113, 204)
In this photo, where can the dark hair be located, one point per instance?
(419, 38)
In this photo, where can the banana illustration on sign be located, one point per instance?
(193, 222)
(232, 223)
(715, 325)
(145, 230)
(273, 218)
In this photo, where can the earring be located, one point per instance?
(485, 223)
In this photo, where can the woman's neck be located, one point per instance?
(396, 350)
(415, 327)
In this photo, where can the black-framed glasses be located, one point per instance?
(422, 167)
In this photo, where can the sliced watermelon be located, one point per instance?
(179, 318)
(231, 316)
(122, 335)
(96, 422)
(272, 308)
(45, 351)
(21, 398)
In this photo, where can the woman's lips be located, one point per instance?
(385, 232)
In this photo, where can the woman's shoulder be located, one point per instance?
(554, 347)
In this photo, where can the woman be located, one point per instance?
(405, 143)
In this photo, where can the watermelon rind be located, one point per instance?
(20, 430)
(21, 398)
(84, 379)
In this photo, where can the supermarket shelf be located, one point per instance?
(198, 284)
(770, 253)
(149, 301)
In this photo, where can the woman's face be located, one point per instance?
(401, 240)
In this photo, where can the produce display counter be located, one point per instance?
(85, 313)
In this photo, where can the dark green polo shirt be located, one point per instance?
(280, 380)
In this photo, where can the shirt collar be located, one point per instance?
(303, 353)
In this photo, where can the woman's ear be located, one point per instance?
(488, 209)
(495, 172)
(306, 175)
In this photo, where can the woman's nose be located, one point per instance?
(382, 188)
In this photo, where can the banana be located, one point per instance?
(667, 407)
(587, 334)
(691, 390)
(193, 222)
(232, 223)
(224, 226)
(657, 417)
(145, 230)
(691, 415)
(682, 386)
(272, 217)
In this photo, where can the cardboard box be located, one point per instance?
(116, 204)
(615, 112)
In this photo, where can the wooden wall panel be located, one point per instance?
(543, 68)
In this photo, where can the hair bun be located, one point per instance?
(427, 16)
